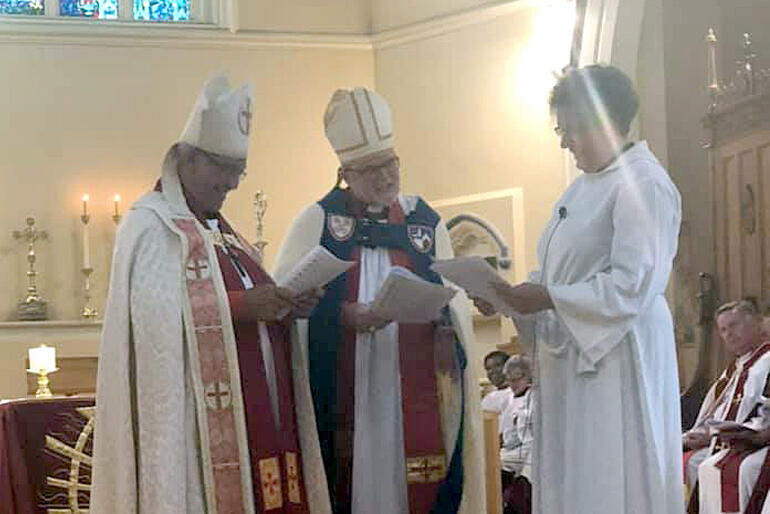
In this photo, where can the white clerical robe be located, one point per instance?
(608, 436)
(516, 427)
(147, 455)
(707, 411)
(750, 397)
(378, 447)
(498, 401)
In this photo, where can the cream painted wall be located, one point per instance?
(80, 119)
(388, 14)
(471, 115)
(325, 16)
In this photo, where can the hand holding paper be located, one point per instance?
(315, 270)
(407, 298)
(477, 277)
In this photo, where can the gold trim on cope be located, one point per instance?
(426, 469)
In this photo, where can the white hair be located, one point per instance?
(518, 362)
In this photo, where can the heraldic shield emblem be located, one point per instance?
(341, 227)
(421, 237)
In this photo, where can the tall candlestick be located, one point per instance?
(88, 311)
(86, 247)
(116, 216)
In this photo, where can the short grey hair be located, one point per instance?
(519, 362)
(746, 307)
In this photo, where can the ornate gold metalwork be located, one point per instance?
(33, 307)
(260, 208)
(88, 312)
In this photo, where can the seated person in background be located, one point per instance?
(516, 426)
(696, 441)
(497, 400)
(727, 478)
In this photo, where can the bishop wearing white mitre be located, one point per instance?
(202, 403)
(397, 404)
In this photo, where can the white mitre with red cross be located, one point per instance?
(358, 123)
(220, 121)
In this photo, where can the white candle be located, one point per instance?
(86, 248)
(85, 205)
(117, 205)
(42, 358)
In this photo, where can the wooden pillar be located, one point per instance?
(492, 466)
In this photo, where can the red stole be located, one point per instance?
(275, 456)
(426, 460)
(730, 464)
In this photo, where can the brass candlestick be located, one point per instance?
(33, 307)
(88, 311)
(260, 207)
(43, 391)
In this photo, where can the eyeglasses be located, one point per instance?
(390, 166)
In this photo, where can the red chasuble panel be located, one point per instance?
(274, 447)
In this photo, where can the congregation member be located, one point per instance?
(397, 405)
(729, 476)
(517, 429)
(697, 440)
(608, 423)
(498, 399)
(197, 408)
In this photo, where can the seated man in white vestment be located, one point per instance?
(516, 427)
(498, 399)
(727, 479)
(696, 441)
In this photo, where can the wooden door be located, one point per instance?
(742, 218)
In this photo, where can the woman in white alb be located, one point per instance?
(608, 431)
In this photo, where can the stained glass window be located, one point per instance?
(103, 9)
(162, 10)
(21, 7)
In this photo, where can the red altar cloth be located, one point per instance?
(25, 462)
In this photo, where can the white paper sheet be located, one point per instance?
(476, 276)
(407, 298)
(316, 269)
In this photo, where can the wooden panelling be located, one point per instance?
(76, 375)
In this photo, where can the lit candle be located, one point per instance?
(86, 242)
(42, 358)
(117, 205)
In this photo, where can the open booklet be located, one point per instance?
(316, 269)
(407, 298)
(476, 276)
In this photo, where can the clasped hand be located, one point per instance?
(525, 298)
(745, 438)
(272, 303)
(362, 317)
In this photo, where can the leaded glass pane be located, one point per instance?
(21, 7)
(103, 9)
(162, 10)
